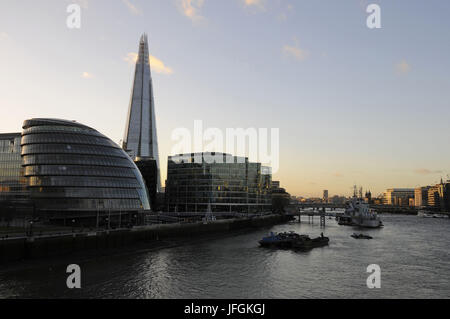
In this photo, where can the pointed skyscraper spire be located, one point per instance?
(140, 138)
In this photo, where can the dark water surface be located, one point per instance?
(413, 254)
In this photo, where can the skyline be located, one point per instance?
(354, 105)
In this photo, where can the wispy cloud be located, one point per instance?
(156, 64)
(3, 35)
(402, 67)
(283, 16)
(132, 8)
(295, 51)
(83, 3)
(191, 9)
(87, 75)
(260, 4)
(425, 171)
(337, 175)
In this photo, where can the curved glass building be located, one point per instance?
(72, 167)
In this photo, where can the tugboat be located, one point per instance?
(361, 236)
(359, 214)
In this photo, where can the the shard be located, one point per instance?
(140, 140)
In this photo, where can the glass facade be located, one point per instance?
(228, 183)
(72, 167)
(12, 182)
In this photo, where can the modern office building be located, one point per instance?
(140, 140)
(398, 196)
(12, 181)
(223, 182)
(73, 171)
(421, 196)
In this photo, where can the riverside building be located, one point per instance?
(197, 181)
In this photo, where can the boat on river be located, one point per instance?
(293, 240)
(361, 236)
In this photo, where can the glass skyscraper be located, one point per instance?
(140, 140)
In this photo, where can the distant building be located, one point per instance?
(439, 196)
(368, 197)
(325, 196)
(275, 184)
(338, 200)
(421, 196)
(398, 196)
(225, 182)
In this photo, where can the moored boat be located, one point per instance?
(293, 240)
(361, 236)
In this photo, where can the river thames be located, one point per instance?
(413, 254)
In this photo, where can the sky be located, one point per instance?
(353, 105)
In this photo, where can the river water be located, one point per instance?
(412, 252)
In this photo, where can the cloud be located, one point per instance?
(424, 171)
(337, 175)
(83, 3)
(191, 9)
(403, 67)
(156, 64)
(260, 4)
(295, 51)
(132, 8)
(87, 75)
(3, 35)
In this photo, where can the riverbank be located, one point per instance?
(16, 249)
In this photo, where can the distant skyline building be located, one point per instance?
(398, 196)
(140, 139)
(421, 196)
(325, 196)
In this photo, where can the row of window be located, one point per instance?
(66, 138)
(83, 181)
(89, 204)
(10, 157)
(77, 160)
(72, 149)
(60, 128)
(75, 170)
(56, 192)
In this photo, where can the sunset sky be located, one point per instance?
(353, 105)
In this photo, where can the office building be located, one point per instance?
(12, 181)
(421, 196)
(439, 196)
(398, 196)
(221, 182)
